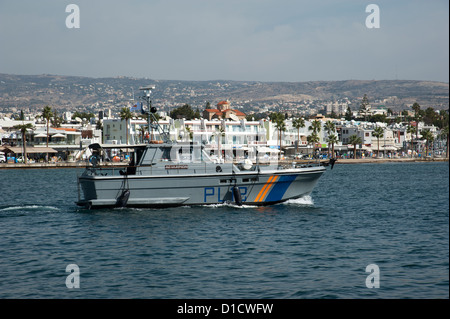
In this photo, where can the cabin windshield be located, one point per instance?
(183, 154)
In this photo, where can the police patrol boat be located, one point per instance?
(167, 173)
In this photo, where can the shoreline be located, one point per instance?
(55, 165)
(389, 160)
(118, 165)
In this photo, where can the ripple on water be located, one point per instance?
(317, 246)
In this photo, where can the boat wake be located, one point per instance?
(302, 201)
(305, 201)
(23, 208)
(231, 205)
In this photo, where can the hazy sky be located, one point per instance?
(260, 40)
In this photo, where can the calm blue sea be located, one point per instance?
(392, 215)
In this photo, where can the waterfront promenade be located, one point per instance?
(389, 160)
(82, 164)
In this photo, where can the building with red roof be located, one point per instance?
(223, 111)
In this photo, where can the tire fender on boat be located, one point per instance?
(237, 196)
(123, 199)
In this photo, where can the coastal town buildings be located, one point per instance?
(223, 111)
(220, 129)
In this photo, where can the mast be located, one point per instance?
(150, 111)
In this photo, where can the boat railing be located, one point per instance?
(166, 168)
(200, 167)
(104, 171)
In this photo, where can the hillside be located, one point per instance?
(72, 92)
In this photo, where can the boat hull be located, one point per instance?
(255, 188)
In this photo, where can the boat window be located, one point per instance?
(138, 155)
(166, 154)
(185, 154)
(181, 154)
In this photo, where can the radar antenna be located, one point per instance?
(150, 111)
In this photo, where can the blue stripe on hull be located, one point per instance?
(281, 186)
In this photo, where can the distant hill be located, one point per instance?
(73, 92)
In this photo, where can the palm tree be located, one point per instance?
(332, 139)
(125, 114)
(354, 140)
(312, 139)
(141, 130)
(298, 123)
(428, 136)
(330, 128)
(378, 132)
(23, 129)
(280, 125)
(417, 117)
(47, 114)
(315, 126)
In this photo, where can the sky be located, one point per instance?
(245, 40)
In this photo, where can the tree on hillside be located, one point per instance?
(364, 107)
(378, 118)
(348, 114)
(184, 111)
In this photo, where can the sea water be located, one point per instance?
(393, 215)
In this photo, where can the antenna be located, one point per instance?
(150, 111)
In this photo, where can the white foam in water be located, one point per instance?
(302, 201)
(28, 207)
(230, 204)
